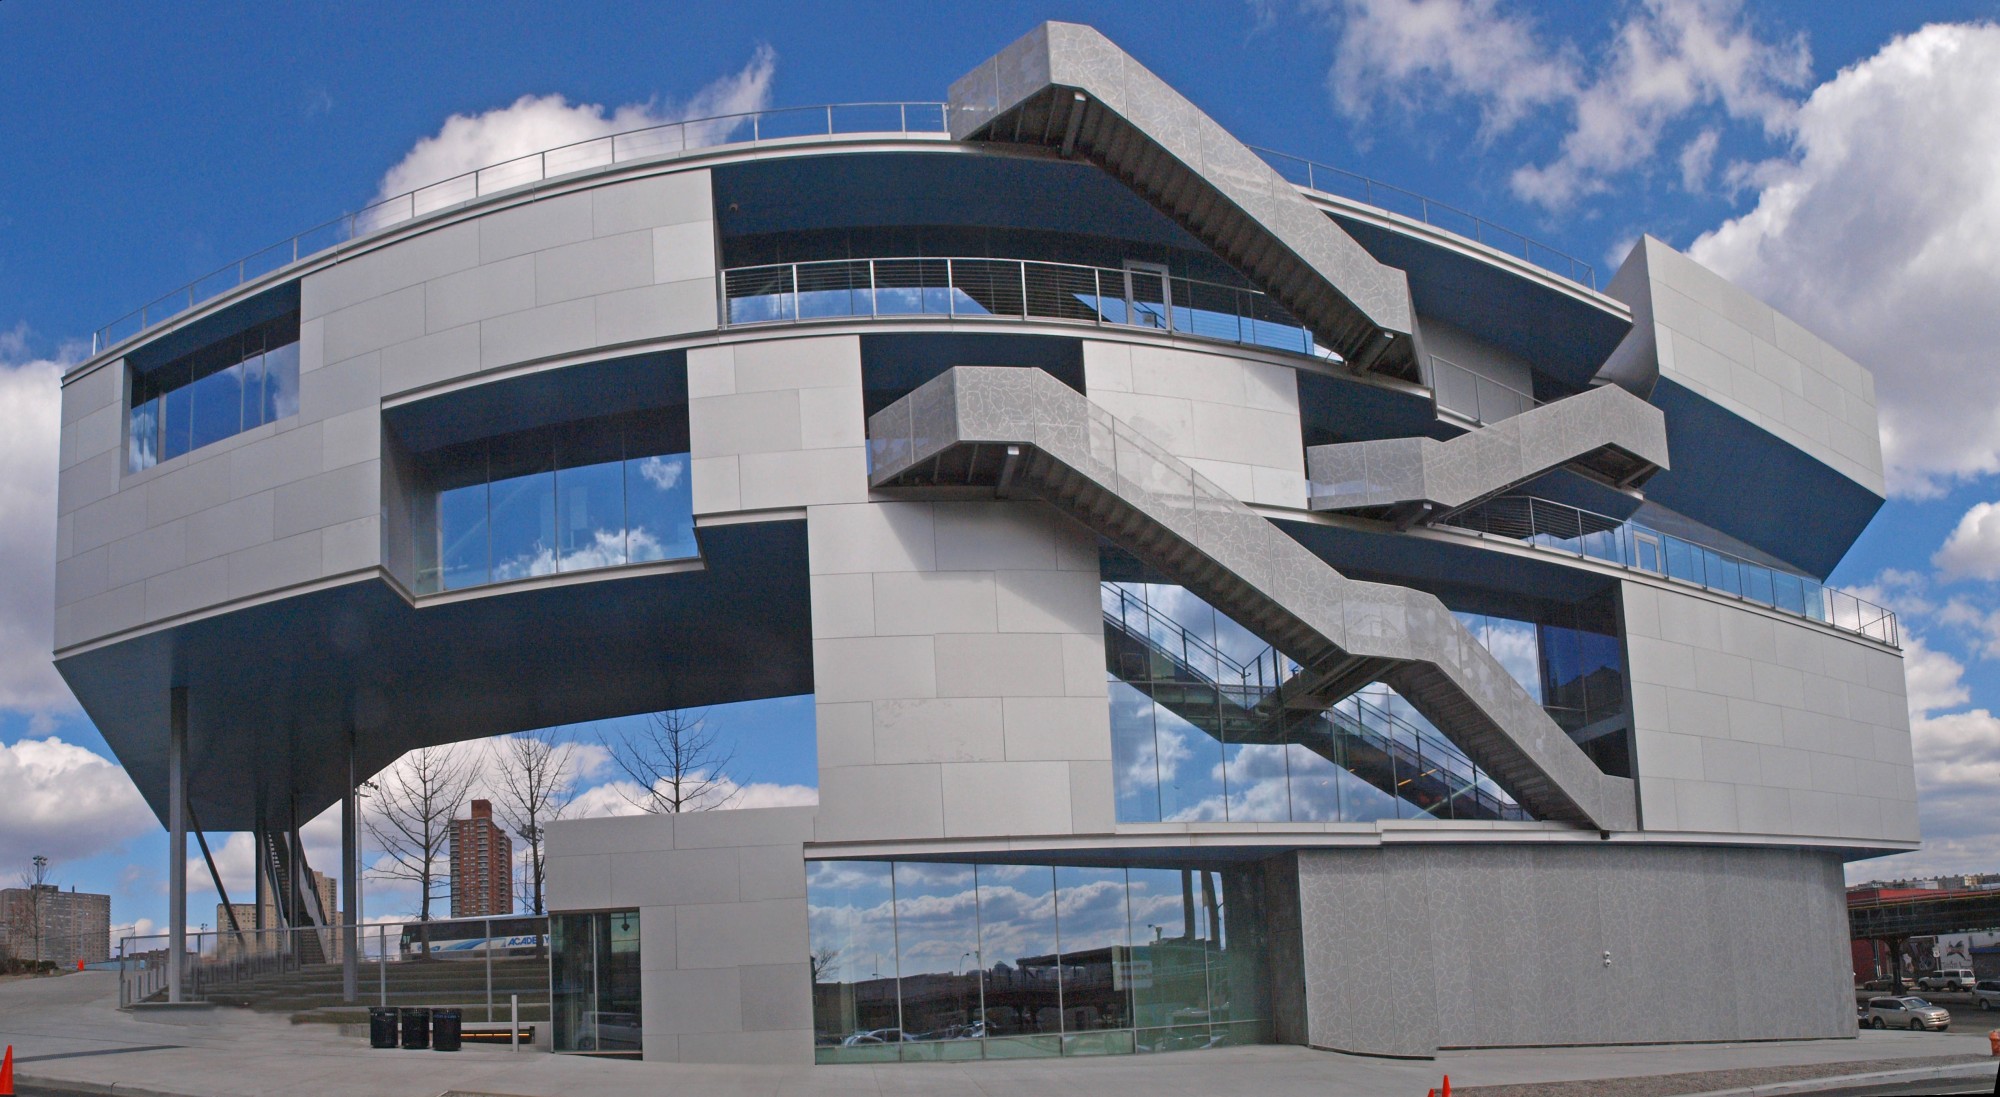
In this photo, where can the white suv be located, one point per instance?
(1951, 978)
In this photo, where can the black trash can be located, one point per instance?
(381, 1026)
(416, 1028)
(445, 1029)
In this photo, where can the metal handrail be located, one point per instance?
(1430, 211)
(666, 139)
(1366, 719)
(964, 287)
(1506, 403)
(226, 961)
(1564, 528)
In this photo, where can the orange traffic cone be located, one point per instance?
(1447, 1087)
(7, 1073)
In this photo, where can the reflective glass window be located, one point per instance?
(253, 391)
(281, 382)
(1094, 928)
(659, 504)
(463, 550)
(522, 509)
(850, 907)
(229, 386)
(1032, 961)
(217, 406)
(594, 983)
(143, 433)
(1170, 927)
(175, 417)
(590, 522)
(1018, 946)
(555, 500)
(938, 961)
(1203, 727)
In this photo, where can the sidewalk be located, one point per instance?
(66, 1031)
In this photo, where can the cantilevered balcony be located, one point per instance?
(1011, 289)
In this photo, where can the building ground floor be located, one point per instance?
(731, 936)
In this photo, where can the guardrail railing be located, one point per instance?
(1347, 184)
(1569, 529)
(1475, 396)
(232, 962)
(1020, 289)
(784, 123)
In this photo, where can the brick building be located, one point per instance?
(47, 923)
(482, 865)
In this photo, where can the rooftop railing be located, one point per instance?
(671, 138)
(1568, 529)
(785, 123)
(1346, 184)
(1018, 289)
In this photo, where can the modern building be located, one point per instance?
(482, 865)
(1235, 611)
(43, 923)
(257, 926)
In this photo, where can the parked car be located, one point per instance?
(1909, 1012)
(1951, 978)
(1986, 992)
(874, 1036)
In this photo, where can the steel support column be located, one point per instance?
(176, 840)
(350, 876)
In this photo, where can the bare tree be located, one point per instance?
(34, 878)
(678, 763)
(537, 784)
(823, 959)
(414, 802)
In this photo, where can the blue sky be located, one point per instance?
(1843, 162)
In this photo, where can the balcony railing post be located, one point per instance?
(874, 309)
(950, 290)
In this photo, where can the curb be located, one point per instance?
(65, 1085)
(1961, 1072)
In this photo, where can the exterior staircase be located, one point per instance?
(1022, 431)
(1606, 434)
(312, 994)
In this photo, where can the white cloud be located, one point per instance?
(1666, 60)
(1881, 232)
(66, 802)
(1391, 48)
(1697, 156)
(531, 124)
(31, 406)
(1973, 549)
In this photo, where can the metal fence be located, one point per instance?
(234, 962)
(1620, 541)
(1338, 181)
(1021, 289)
(672, 138)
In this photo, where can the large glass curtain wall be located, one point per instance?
(593, 495)
(1206, 724)
(594, 982)
(222, 390)
(922, 961)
